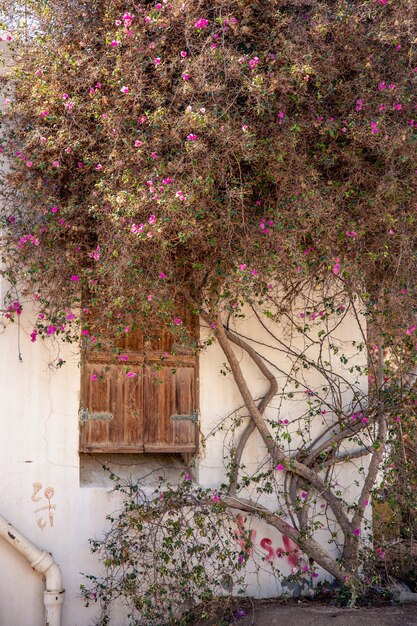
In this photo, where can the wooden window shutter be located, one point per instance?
(153, 412)
(111, 413)
(169, 394)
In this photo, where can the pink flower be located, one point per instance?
(75, 278)
(186, 76)
(131, 374)
(411, 330)
(157, 61)
(201, 23)
(192, 137)
(382, 86)
(177, 321)
(187, 476)
(152, 219)
(114, 43)
(253, 62)
(162, 275)
(29, 163)
(358, 104)
(55, 163)
(99, 166)
(280, 117)
(183, 54)
(138, 143)
(95, 254)
(154, 155)
(374, 127)
(216, 497)
(336, 267)
(124, 89)
(357, 532)
(94, 377)
(280, 467)
(242, 266)
(244, 128)
(33, 335)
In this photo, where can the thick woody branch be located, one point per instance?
(313, 549)
(250, 427)
(349, 552)
(277, 454)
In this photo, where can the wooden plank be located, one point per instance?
(96, 399)
(169, 391)
(133, 408)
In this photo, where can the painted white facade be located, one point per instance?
(39, 455)
(59, 500)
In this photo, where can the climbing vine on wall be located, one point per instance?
(233, 156)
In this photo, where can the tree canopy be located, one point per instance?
(210, 148)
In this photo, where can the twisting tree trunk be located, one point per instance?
(308, 544)
(304, 469)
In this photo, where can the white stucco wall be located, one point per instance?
(39, 453)
(39, 444)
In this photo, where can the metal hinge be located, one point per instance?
(193, 417)
(84, 416)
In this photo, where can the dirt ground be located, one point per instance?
(310, 614)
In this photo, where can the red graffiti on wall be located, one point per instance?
(290, 550)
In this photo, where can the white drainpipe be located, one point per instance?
(42, 562)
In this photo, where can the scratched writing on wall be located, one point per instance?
(45, 512)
